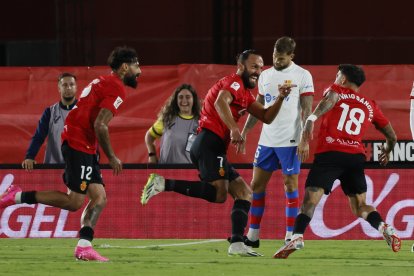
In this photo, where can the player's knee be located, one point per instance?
(221, 196)
(100, 201)
(74, 206)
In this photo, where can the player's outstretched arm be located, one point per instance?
(267, 115)
(249, 125)
(102, 133)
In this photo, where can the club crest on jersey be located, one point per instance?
(83, 186)
(235, 86)
(222, 171)
(118, 102)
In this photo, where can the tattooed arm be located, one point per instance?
(391, 139)
(326, 104)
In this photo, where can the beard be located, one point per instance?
(69, 98)
(131, 80)
(279, 67)
(246, 81)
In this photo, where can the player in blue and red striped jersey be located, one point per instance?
(224, 104)
(85, 126)
(340, 154)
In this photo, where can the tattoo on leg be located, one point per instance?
(90, 215)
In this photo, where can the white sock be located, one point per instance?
(381, 227)
(84, 243)
(253, 234)
(297, 236)
(288, 235)
(18, 197)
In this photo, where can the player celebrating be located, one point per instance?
(224, 104)
(340, 154)
(86, 124)
(278, 140)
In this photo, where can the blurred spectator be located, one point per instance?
(51, 124)
(176, 126)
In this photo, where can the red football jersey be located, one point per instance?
(104, 92)
(242, 99)
(344, 125)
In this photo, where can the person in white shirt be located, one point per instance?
(279, 140)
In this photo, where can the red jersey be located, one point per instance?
(344, 125)
(242, 99)
(104, 92)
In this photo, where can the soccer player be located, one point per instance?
(278, 140)
(224, 104)
(86, 125)
(340, 154)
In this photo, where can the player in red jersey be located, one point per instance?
(86, 125)
(224, 104)
(340, 154)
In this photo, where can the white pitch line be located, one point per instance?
(159, 245)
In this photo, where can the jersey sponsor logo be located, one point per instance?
(268, 98)
(235, 86)
(329, 139)
(118, 102)
(87, 89)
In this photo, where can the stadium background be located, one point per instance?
(193, 42)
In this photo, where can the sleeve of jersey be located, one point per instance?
(334, 87)
(307, 88)
(114, 97)
(379, 118)
(157, 129)
(260, 86)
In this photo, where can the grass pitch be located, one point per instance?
(203, 257)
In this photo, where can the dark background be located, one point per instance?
(83, 32)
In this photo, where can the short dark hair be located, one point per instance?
(243, 56)
(64, 75)
(121, 55)
(286, 45)
(353, 73)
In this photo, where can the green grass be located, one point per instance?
(152, 257)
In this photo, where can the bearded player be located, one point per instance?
(224, 104)
(86, 125)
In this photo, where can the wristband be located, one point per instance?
(151, 154)
(312, 118)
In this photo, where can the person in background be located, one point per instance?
(51, 124)
(176, 127)
(346, 114)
